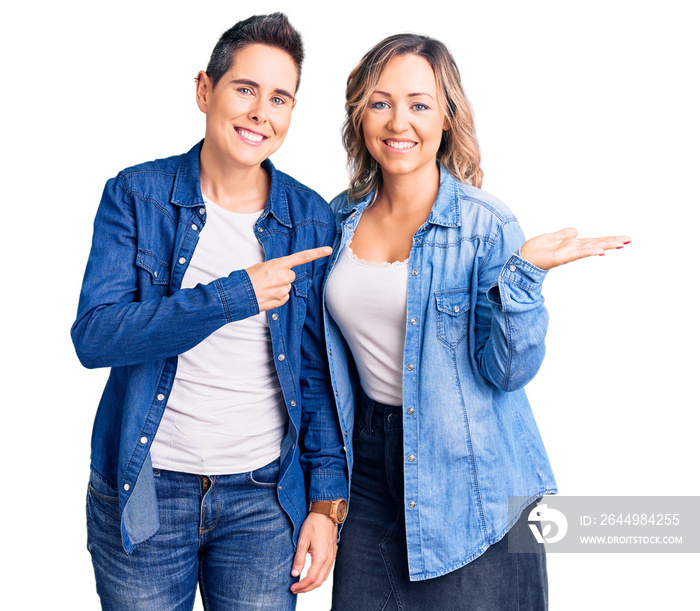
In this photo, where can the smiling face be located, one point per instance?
(249, 110)
(403, 122)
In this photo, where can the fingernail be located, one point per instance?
(618, 247)
(627, 242)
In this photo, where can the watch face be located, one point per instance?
(342, 511)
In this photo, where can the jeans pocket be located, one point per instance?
(101, 489)
(265, 477)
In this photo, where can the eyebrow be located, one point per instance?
(410, 95)
(257, 85)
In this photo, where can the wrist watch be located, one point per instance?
(335, 510)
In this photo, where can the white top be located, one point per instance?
(225, 413)
(368, 302)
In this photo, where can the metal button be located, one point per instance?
(281, 357)
(293, 403)
(413, 321)
(411, 504)
(155, 274)
(127, 487)
(274, 317)
(410, 367)
(260, 229)
(411, 458)
(345, 449)
(194, 227)
(456, 309)
(513, 268)
(181, 260)
(414, 272)
(160, 397)
(202, 211)
(410, 411)
(144, 440)
(330, 351)
(418, 239)
(280, 487)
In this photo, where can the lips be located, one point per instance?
(249, 136)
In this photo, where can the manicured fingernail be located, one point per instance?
(618, 247)
(627, 242)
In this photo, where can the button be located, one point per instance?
(160, 397)
(411, 504)
(391, 417)
(294, 445)
(127, 487)
(411, 458)
(353, 216)
(418, 239)
(144, 440)
(414, 321)
(280, 487)
(274, 317)
(513, 268)
(155, 274)
(346, 433)
(345, 449)
(293, 403)
(202, 211)
(260, 229)
(281, 357)
(410, 411)
(410, 367)
(414, 272)
(181, 260)
(194, 227)
(330, 351)
(456, 309)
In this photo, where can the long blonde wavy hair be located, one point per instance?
(459, 149)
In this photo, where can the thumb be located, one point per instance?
(300, 557)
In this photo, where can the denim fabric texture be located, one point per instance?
(134, 318)
(475, 329)
(226, 532)
(371, 570)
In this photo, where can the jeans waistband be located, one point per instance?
(376, 414)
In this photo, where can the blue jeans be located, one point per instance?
(226, 532)
(371, 569)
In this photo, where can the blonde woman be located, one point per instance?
(434, 324)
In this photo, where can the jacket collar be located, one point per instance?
(445, 210)
(187, 191)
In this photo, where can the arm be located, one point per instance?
(511, 320)
(321, 443)
(114, 327)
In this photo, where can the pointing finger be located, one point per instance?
(305, 256)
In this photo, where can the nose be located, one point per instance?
(398, 120)
(258, 111)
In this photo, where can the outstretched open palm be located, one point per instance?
(552, 249)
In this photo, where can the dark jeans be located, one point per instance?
(371, 570)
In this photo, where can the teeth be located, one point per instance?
(400, 145)
(250, 135)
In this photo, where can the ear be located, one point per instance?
(446, 125)
(203, 90)
(294, 103)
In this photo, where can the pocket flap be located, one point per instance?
(159, 271)
(453, 301)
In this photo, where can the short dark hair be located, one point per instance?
(273, 30)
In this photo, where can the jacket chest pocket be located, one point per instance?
(452, 315)
(153, 273)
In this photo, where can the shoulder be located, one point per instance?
(166, 168)
(477, 202)
(302, 199)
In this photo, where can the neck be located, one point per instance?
(236, 188)
(414, 192)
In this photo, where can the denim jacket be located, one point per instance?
(134, 318)
(475, 329)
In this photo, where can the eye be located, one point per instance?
(245, 90)
(420, 107)
(379, 105)
(278, 101)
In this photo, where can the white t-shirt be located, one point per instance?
(368, 302)
(226, 412)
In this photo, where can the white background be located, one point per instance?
(587, 115)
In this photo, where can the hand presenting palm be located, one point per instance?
(552, 249)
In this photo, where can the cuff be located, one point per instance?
(519, 285)
(327, 486)
(237, 296)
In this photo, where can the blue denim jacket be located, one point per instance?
(475, 329)
(134, 318)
